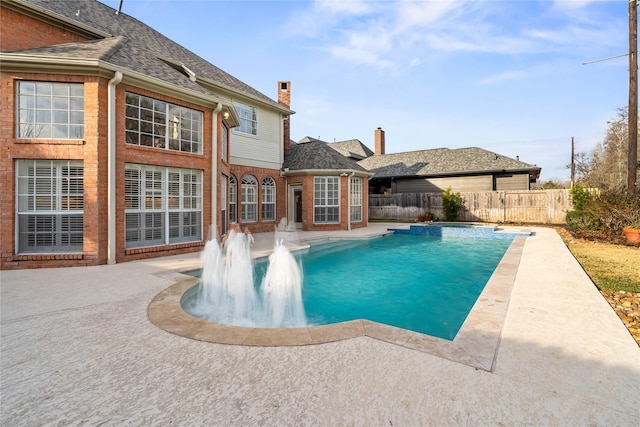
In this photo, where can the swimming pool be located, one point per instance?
(424, 283)
(421, 283)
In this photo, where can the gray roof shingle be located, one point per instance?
(317, 155)
(352, 148)
(138, 47)
(442, 161)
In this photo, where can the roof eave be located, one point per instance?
(91, 66)
(325, 172)
(39, 12)
(530, 171)
(211, 84)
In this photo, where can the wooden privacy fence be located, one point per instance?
(539, 206)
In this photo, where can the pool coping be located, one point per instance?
(476, 343)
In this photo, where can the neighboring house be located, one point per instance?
(353, 149)
(327, 191)
(120, 144)
(434, 170)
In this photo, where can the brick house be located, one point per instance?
(120, 144)
(436, 169)
(327, 190)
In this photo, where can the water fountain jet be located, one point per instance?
(227, 292)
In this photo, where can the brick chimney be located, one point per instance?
(284, 98)
(379, 142)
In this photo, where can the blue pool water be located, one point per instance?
(425, 279)
(426, 284)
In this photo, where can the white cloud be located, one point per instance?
(501, 77)
(572, 4)
(397, 34)
(412, 14)
(340, 7)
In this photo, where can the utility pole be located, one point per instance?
(573, 164)
(632, 162)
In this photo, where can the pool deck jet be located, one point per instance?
(78, 348)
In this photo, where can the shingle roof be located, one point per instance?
(137, 46)
(317, 155)
(442, 161)
(352, 148)
(120, 50)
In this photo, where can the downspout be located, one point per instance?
(111, 167)
(213, 229)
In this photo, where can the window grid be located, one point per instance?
(48, 110)
(50, 195)
(326, 199)
(249, 199)
(356, 199)
(223, 204)
(248, 119)
(162, 205)
(153, 123)
(268, 199)
(233, 200)
(225, 143)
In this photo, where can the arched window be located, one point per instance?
(249, 200)
(268, 199)
(233, 200)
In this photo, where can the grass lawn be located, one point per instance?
(611, 267)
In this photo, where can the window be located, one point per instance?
(249, 201)
(50, 110)
(225, 143)
(248, 119)
(50, 196)
(162, 205)
(326, 199)
(233, 200)
(159, 124)
(223, 205)
(268, 199)
(356, 199)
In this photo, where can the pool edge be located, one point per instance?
(476, 343)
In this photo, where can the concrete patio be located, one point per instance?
(77, 348)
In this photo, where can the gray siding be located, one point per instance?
(511, 182)
(434, 185)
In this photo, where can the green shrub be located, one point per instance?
(451, 203)
(616, 210)
(584, 214)
(582, 220)
(580, 196)
(609, 212)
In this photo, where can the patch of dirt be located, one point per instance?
(627, 307)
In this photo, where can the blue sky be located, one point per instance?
(506, 76)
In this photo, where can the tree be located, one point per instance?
(607, 168)
(582, 166)
(550, 184)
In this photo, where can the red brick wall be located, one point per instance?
(260, 173)
(307, 205)
(128, 153)
(18, 31)
(89, 150)
(93, 151)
